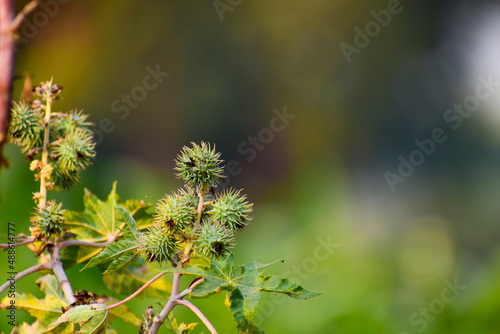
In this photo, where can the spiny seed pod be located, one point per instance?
(175, 211)
(62, 178)
(76, 150)
(199, 165)
(231, 209)
(215, 240)
(26, 127)
(69, 122)
(158, 245)
(48, 220)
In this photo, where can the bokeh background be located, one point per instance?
(323, 177)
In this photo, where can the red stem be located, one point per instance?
(7, 48)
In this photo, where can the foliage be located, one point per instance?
(191, 232)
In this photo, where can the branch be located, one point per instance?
(190, 288)
(137, 292)
(69, 243)
(18, 20)
(63, 280)
(172, 301)
(20, 243)
(61, 275)
(200, 315)
(34, 269)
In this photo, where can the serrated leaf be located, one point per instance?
(97, 222)
(100, 221)
(92, 318)
(120, 252)
(131, 232)
(244, 284)
(127, 280)
(45, 310)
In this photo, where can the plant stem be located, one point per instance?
(199, 213)
(18, 20)
(45, 153)
(6, 69)
(137, 292)
(31, 270)
(61, 274)
(172, 301)
(176, 299)
(20, 243)
(200, 315)
(63, 280)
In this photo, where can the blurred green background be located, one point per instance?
(322, 178)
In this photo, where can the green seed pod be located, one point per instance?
(175, 211)
(62, 178)
(231, 209)
(158, 245)
(215, 240)
(76, 150)
(26, 127)
(199, 166)
(68, 122)
(48, 220)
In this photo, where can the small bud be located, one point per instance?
(34, 165)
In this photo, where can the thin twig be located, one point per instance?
(190, 288)
(151, 281)
(31, 270)
(20, 243)
(18, 20)
(200, 315)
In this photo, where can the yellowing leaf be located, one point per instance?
(91, 318)
(45, 310)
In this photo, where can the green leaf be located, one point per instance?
(120, 252)
(45, 310)
(130, 233)
(92, 318)
(244, 284)
(100, 221)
